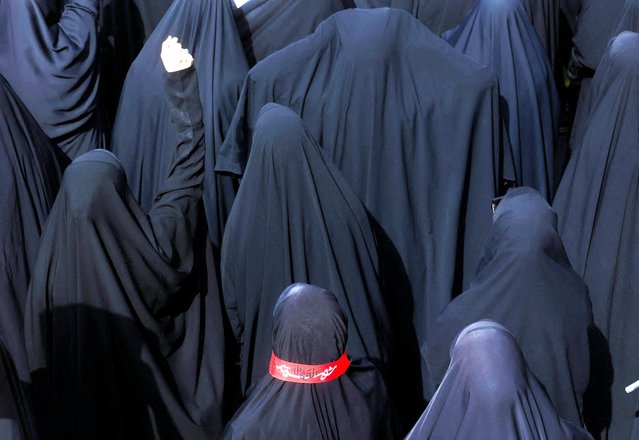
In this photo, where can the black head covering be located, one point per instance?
(29, 178)
(442, 15)
(411, 123)
(489, 393)
(525, 282)
(309, 327)
(16, 422)
(143, 138)
(498, 34)
(296, 219)
(266, 26)
(54, 69)
(113, 323)
(598, 218)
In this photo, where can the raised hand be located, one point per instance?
(174, 57)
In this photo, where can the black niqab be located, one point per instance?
(30, 173)
(309, 327)
(525, 282)
(490, 393)
(266, 26)
(411, 123)
(116, 340)
(54, 69)
(296, 219)
(598, 216)
(498, 34)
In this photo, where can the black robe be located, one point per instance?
(296, 219)
(498, 34)
(16, 422)
(309, 327)
(598, 217)
(525, 283)
(124, 27)
(411, 123)
(30, 173)
(266, 26)
(116, 339)
(54, 69)
(143, 138)
(490, 393)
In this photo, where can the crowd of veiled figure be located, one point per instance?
(327, 219)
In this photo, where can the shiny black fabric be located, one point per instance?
(143, 139)
(266, 26)
(310, 327)
(30, 173)
(53, 68)
(498, 34)
(490, 393)
(16, 422)
(296, 219)
(525, 282)
(598, 218)
(117, 344)
(411, 123)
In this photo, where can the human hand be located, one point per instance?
(174, 57)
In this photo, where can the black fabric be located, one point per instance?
(310, 327)
(296, 219)
(442, 15)
(411, 123)
(594, 27)
(116, 338)
(525, 282)
(54, 69)
(498, 34)
(16, 422)
(629, 21)
(629, 18)
(143, 139)
(124, 26)
(266, 26)
(30, 173)
(490, 393)
(598, 218)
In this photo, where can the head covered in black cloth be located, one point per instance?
(266, 26)
(442, 15)
(414, 128)
(54, 69)
(490, 393)
(310, 328)
(498, 34)
(525, 282)
(296, 219)
(30, 173)
(114, 323)
(598, 216)
(16, 422)
(143, 138)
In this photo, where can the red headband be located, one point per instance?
(301, 373)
